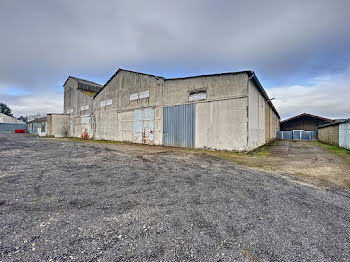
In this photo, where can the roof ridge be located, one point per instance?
(307, 114)
(81, 79)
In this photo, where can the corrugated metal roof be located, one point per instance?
(306, 114)
(335, 122)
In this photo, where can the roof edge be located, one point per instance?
(307, 114)
(81, 79)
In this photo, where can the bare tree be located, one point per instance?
(64, 128)
(34, 116)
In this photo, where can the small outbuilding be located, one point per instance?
(57, 125)
(37, 126)
(336, 133)
(304, 121)
(10, 124)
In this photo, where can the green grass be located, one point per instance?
(343, 153)
(263, 150)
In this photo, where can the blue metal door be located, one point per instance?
(179, 125)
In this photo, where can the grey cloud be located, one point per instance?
(327, 96)
(42, 42)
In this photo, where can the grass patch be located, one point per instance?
(263, 150)
(343, 153)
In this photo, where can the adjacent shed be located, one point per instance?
(37, 126)
(329, 133)
(10, 124)
(336, 133)
(304, 121)
(57, 125)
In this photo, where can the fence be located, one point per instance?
(296, 135)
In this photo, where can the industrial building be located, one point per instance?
(37, 126)
(336, 133)
(304, 121)
(10, 124)
(228, 111)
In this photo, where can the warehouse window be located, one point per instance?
(196, 96)
(84, 107)
(109, 102)
(144, 94)
(134, 96)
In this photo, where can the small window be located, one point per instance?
(109, 102)
(86, 107)
(134, 96)
(43, 127)
(102, 103)
(82, 108)
(196, 96)
(144, 94)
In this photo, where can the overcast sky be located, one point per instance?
(300, 50)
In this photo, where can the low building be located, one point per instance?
(336, 133)
(228, 111)
(57, 125)
(37, 126)
(10, 124)
(304, 121)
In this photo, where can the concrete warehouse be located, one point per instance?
(228, 111)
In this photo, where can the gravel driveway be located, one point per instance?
(86, 201)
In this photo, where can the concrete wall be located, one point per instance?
(329, 135)
(57, 125)
(74, 99)
(115, 121)
(221, 124)
(272, 123)
(344, 135)
(221, 119)
(256, 114)
(217, 87)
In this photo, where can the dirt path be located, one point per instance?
(307, 160)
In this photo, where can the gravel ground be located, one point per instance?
(82, 201)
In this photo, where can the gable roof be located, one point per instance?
(85, 85)
(335, 122)
(251, 75)
(121, 69)
(309, 115)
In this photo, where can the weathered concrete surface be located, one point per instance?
(229, 131)
(329, 135)
(57, 125)
(222, 124)
(88, 201)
